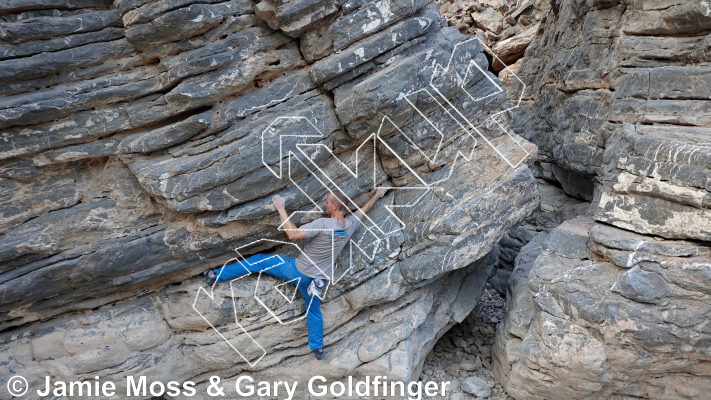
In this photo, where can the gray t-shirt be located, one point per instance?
(327, 237)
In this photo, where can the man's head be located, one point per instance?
(335, 202)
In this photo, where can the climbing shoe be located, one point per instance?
(316, 287)
(319, 354)
(209, 280)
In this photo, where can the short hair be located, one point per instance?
(341, 200)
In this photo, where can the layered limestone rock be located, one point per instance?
(555, 208)
(615, 306)
(597, 79)
(142, 140)
(600, 312)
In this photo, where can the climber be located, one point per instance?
(314, 264)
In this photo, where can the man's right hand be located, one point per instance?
(278, 202)
(294, 232)
(380, 192)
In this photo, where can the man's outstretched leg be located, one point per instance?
(255, 263)
(285, 269)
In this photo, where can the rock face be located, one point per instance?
(625, 314)
(614, 306)
(142, 140)
(555, 208)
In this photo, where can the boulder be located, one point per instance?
(142, 142)
(489, 19)
(509, 51)
(476, 386)
(611, 306)
(555, 208)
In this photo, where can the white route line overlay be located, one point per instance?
(376, 138)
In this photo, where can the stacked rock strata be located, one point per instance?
(134, 157)
(556, 207)
(616, 305)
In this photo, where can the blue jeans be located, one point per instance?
(286, 271)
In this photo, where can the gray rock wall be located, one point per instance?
(595, 311)
(626, 106)
(141, 141)
(614, 306)
(556, 207)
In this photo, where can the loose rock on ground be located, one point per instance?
(463, 355)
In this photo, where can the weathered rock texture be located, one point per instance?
(555, 208)
(613, 96)
(600, 312)
(132, 148)
(616, 306)
(506, 26)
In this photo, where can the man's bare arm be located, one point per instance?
(292, 231)
(370, 203)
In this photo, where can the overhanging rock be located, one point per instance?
(129, 172)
